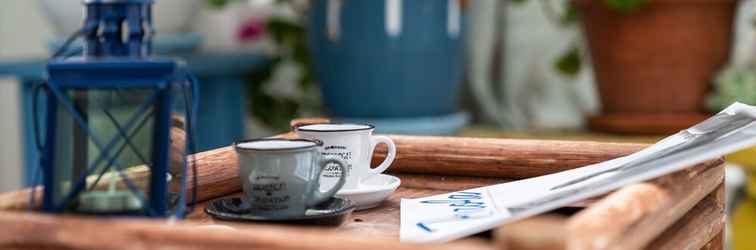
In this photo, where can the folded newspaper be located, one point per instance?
(458, 214)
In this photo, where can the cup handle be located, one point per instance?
(318, 196)
(374, 141)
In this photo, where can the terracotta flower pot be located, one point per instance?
(656, 62)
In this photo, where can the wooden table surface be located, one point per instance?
(630, 218)
(378, 222)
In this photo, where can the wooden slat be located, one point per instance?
(496, 158)
(691, 231)
(381, 222)
(632, 217)
(18, 200)
(700, 225)
(447, 183)
(624, 218)
(543, 232)
(37, 231)
(372, 224)
(217, 176)
(505, 158)
(457, 183)
(718, 243)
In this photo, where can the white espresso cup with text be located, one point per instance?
(352, 143)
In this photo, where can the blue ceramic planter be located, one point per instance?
(368, 69)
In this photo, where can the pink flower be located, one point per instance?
(251, 30)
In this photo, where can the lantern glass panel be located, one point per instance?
(114, 153)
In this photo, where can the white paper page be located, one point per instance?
(439, 218)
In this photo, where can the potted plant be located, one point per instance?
(654, 60)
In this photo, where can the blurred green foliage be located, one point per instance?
(619, 5)
(570, 63)
(570, 15)
(624, 5)
(274, 111)
(219, 4)
(730, 85)
(293, 37)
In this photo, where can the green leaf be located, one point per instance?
(624, 5)
(217, 4)
(518, 1)
(570, 15)
(282, 30)
(569, 63)
(271, 111)
(274, 111)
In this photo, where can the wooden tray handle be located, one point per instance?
(428, 155)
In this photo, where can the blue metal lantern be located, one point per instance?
(108, 119)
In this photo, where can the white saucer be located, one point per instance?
(371, 192)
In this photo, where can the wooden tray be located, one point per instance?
(683, 210)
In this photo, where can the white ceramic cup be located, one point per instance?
(353, 143)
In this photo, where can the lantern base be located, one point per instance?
(109, 202)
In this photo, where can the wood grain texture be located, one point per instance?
(718, 243)
(447, 183)
(494, 158)
(504, 158)
(498, 159)
(217, 173)
(543, 232)
(457, 183)
(633, 216)
(18, 200)
(217, 176)
(448, 156)
(38, 231)
(306, 121)
(698, 227)
(218, 169)
(381, 222)
(427, 166)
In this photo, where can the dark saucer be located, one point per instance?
(332, 212)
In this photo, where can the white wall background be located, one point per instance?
(23, 29)
(23, 32)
